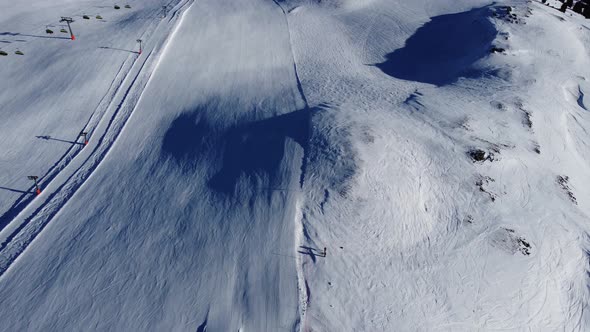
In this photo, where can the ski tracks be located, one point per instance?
(107, 122)
(302, 285)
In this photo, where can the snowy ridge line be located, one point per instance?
(95, 117)
(302, 286)
(15, 242)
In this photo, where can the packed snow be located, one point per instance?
(294, 165)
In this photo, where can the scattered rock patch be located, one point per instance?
(507, 240)
(563, 182)
(496, 49)
(481, 183)
(479, 155)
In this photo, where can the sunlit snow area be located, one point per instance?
(294, 165)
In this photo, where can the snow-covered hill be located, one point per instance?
(436, 150)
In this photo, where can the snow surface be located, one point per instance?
(250, 135)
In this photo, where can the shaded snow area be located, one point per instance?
(294, 165)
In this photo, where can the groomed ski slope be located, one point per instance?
(251, 134)
(64, 178)
(215, 236)
(60, 88)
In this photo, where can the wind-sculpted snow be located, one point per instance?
(444, 49)
(260, 167)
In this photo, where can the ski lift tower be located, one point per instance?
(69, 20)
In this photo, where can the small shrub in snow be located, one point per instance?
(86, 17)
(49, 31)
(18, 52)
(98, 17)
(563, 8)
(2, 53)
(63, 30)
(127, 6)
(117, 7)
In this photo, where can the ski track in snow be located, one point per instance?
(303, 289)
(74, 168)
(71, 153)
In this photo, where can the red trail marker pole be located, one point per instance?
(85, 135)
(34, 178)
(139, 41)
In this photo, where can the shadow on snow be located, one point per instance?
(443, 49)
(35, 36)
(252, 149)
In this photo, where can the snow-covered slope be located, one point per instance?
(445, 180)
(59, 87)
(423, 238)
